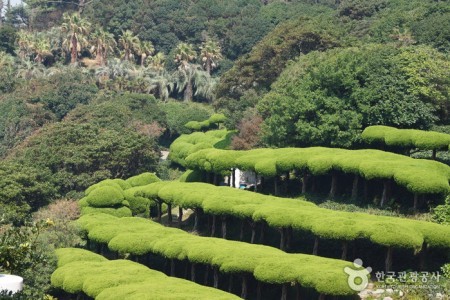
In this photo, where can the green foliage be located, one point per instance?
(179, 113)
(120, 111)
(83, 271)
(262, 66)
(63, 231)
(446, 270)
(441, 213)
(69, 89)
(25, 186)
(434, 29)
(300, 214)
(406, 138)
(418, 176)
(106, 196)
(211, 123)
(327, 98)
(192, 176)
(7, 39)
(106, 182)
(118, 212)
(140, 236)
(25, 255)
(185, 145)
(143, 179)
(79, 155)
(357, 9)
(168, 22)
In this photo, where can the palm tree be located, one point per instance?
(117, 71)
(129, 43)
(103, 42)
(205, 85)
(144, 49)
(158, 62)
(77, 29)
(184, 54)
(210, 53)
(161, 83)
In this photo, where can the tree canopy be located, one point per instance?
(328, 98)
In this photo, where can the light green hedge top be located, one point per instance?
(105, 196)
(187, 144)
(83, 271)
(214, 119)
(302, 215)
(417, 175)
(142, 179)
(406, 138)
(116, 196)
(141, 236)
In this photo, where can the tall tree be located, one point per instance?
(129, 43)
(158, 62)
(77, 29)
(210, 52)
(184, 55)
(103, 43)
(145, 49)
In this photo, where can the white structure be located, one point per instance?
(11, 283)
(244, 177)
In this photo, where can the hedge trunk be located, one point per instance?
(244, 287)
(355, 187)
(316, 246)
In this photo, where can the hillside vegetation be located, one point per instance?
(93, 94)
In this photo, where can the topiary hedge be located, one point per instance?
(140, 236)
(197, 151)
(117, 196)
(83, 271)
(214, 120)
(187, 144)
(406, 138)
(142, 179)
(299, 214)
(416, 175)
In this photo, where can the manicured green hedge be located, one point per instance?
(300, 214)
(105, 196)
(199, 151)
(117, 196)
(406, 138)
(206, 124)
(417, 175)
(187, 144)
(141, 236)
(83, 271)
(143, 179)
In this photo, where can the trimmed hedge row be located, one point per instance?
(406, 138)
(139, 236)
(116, 196)
(207, 124)
(83, 271)
(300, 215)
(416, 175)
(187, 144)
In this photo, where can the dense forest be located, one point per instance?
(343, 106)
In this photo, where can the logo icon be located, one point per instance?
(358, 278)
